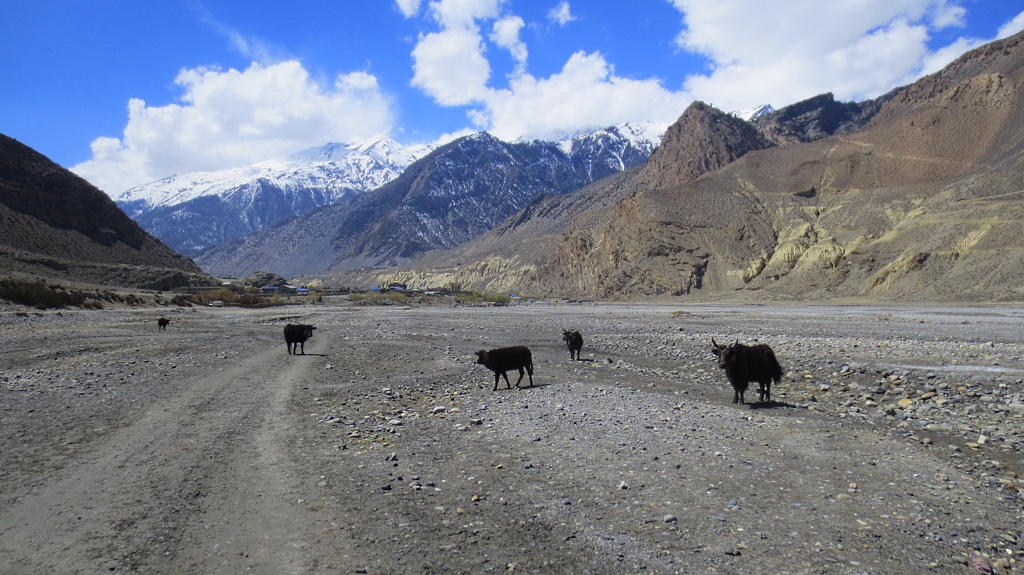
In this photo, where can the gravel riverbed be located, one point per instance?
(894, 444)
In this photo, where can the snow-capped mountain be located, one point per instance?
(613, 149)
(456, 193)
(752, 113)
(193, 211)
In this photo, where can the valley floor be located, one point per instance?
(894, 444)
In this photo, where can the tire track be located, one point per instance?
(122, 505)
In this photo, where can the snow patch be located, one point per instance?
(752, 113)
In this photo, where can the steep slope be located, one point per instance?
(192, 212)
(458, 192)
(54, 223)
(924, 203)
(703, 140)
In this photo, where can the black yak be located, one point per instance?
(505, 359)
(162, 323)
(574, 340)
(295, 335)
(746, 363)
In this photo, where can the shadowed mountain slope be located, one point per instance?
(54, 223)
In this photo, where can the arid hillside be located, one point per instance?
(55, 224)
(926, 202)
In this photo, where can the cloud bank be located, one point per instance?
(759, 52)
(783, 51)
(231, 118)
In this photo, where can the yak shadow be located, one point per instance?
(584, 359)
(772, 404)
(310, 354)
(514, 388)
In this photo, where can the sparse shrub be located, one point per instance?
(378, 298)
(39, 295)
(182, 300)
(498, 298)
(466, 298)
(224, 295)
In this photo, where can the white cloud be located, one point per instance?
(464, 13)
(450, 66)
(1012, 27)
(506, 34)
(584, 94)
(229, 118)
(782, 51)
(561, 13)
(452, 136)
(759, 51)
(408, 8)
(947, 15)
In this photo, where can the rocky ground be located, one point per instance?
(894, 444)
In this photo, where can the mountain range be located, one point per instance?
(916, 195)
(468, 187)
(196, 211)
(456, 193)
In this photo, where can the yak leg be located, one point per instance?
(289, 344)
(302, 344)
(518, 381)
(507, 384)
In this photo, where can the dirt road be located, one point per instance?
(206, 448)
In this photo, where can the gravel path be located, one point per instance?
(894, 445)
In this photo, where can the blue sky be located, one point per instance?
(129, 92)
